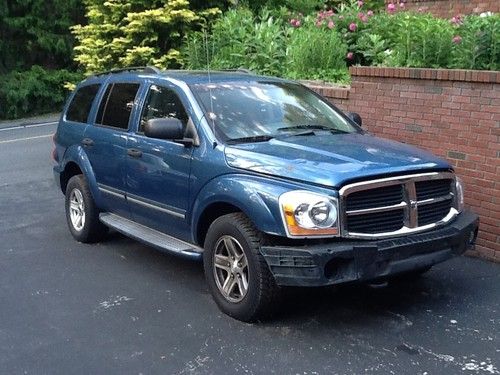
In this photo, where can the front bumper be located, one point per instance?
(346, 260)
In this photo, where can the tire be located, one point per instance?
(82, 214)
(235, 231)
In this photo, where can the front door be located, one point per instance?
(158, 170)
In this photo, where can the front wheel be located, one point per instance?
(237, 274)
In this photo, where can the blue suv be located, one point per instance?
(266, 181)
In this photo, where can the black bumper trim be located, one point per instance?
(342, 261)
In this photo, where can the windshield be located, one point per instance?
(259, 111)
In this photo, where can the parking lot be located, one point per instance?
(120, 307)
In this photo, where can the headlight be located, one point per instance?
(309, 214)
(459, 191)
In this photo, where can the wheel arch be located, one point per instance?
(237, 193)
(76, 161)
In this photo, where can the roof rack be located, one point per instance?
(240, 70)
(143, 69)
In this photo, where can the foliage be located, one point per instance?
(477, 43)
(315, 53)
(37, 32)
(427, 41)
(33, 91)
(139, 32)
(238, 39)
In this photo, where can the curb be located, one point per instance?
(44, 119)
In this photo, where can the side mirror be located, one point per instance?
(355, 117)
(164, 128)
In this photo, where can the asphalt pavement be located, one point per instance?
(120, 307)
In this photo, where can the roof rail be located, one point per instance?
(144, 69)
(240, 70)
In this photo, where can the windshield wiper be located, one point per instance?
(298, 127)
(313, 127)
(254, 138)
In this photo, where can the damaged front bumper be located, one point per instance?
(344, 261)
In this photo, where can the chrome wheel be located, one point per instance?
(77, 209)
(230, 268)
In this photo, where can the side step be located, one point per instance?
(151, 237)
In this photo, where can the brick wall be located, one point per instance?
(453, 113)
(450, 8)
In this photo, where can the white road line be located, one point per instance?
(26, 139)
(28, 126)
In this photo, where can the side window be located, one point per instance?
(81, 104)
(162, 102)
(116, 105)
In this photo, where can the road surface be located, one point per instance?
(120, 307)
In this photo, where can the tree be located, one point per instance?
(137, 32)
(36, 32)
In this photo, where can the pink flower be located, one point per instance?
(297, 23)
(319, 23)
(350, 55)
(331, 25)
(362, 17)
(369, 13)
(457, 39)
(360, 3)
(391, 7)
(457, 20)
(402, 5)
(353, 27)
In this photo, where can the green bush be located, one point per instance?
(316, 53)
(423, 41)
(477, 43)
(238, 39)
(34, 91)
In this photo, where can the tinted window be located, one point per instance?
(79, 108)
(117, 104)
(163, 103)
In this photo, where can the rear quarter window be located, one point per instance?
(79, 108)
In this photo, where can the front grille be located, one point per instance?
(396, 205)
(382, 222)
(384, 196)
(432, 189)
(434, 212)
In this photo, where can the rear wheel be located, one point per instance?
(237, 274)
(82, 214)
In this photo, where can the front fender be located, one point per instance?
(77, 154)
(257, 197)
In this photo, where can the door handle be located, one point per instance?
(87, 142)
(135, 153)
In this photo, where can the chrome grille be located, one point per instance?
(397, 205)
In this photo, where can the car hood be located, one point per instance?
(331, 159)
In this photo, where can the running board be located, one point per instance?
(150, 236)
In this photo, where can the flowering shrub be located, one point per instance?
(322, 43)
(316, 53)
(476, 42)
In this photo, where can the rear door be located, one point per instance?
(106, 142)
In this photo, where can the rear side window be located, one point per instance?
(116, 105)
(79, 108)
